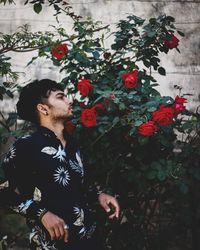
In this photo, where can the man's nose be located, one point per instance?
(69, 99)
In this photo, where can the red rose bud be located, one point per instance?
(99, 107)
(172, 42)
(82, 104)
(180, 100)
(88, 117)
(164, 116)
(130, 79)
(112, 97)
(178, 105)
(70, 126)
(59, 51)
(106, 100)
(85, 87)
(178, 108)
(147, 129)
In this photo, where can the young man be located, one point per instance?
(46, 174)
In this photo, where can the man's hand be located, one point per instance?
(108, 202)
(55, 226)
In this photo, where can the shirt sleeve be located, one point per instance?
(19, 193)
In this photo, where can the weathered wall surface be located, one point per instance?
(182, 69)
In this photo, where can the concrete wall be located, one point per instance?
(182, 69)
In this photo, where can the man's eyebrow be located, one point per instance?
(60, 93)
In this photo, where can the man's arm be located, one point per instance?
(18, 194)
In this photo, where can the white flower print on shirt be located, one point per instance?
(46, 245)
(25, 136)
(40, 211)
(80, 216)
(38, 237)
(37, 195)
(62, 176)
(77, 166)
(23, 207)
(10, 155)
(49, 150)
(59, 154)
(80, 220)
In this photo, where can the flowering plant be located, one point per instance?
(129, 133)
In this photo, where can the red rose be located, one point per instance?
(178, 105)
(88, 117)
(163, 116)
(130, 79)
(85, 87)
(172, 42)
(59, 51)
(99, 107)
(70, 126)
(147, 129)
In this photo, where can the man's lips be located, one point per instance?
(71, 108)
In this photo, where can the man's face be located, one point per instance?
(59, 105)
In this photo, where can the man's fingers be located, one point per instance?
(57, 233)
(52, 234)
(66, 235)
(106, 207)
(62, 231)
(112, 216)
(115, 206)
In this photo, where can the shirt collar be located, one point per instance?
(46, 131)
(49, 133)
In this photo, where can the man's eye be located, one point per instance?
(60, 97)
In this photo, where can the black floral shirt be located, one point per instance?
(43, 175)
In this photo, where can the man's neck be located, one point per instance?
(57, 128)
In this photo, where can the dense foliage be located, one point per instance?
(142, 146)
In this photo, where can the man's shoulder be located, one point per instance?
(25, 141)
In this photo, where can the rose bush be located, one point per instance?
(129, 133)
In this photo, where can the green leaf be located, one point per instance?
(143, 140)
(151, 175)
(161, 71)
(138, 123)
(151, 34)
(152, 20)
(9, 93)
(151, 109)
(180, 33)
(2, 90)
(116, 120)
(161, 175)
(170, 18)
(187, 125)
(184, 188)
(37, 7)
(96, 54)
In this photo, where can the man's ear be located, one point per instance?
(42, 108)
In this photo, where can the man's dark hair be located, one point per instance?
(32, 94)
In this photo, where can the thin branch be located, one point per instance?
(28, 48)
